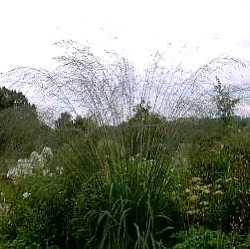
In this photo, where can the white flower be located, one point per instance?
(218, 192)
(196, 179)
(36, 160)
(47, 153)
(45, 172)
(59, 170)
(26, 195)
(13, 173)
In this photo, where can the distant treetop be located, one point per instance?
(12, 98)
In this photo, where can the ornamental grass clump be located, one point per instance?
(130, 206)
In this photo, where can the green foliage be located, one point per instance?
(19, 132)
(208, 158)
(20, 128)
(225, 103)
(221, 161)
(129, 205)
(75, 131)
(206, 239)
(65, 120)
(129, 186)
(145, 134)
(12, 99)
(105, 199)
(37, 217)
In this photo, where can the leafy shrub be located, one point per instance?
(207, 157)
(38, 214)
(222, 163)
(197, 238)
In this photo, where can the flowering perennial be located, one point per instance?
(35, 163)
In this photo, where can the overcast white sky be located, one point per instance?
(29, 28)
